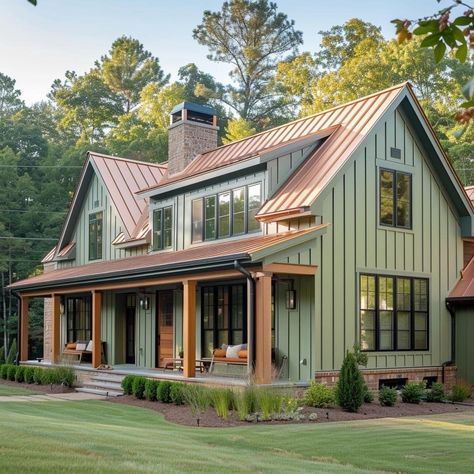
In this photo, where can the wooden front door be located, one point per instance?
(164, 327)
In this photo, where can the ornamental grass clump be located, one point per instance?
(350, 387)
(222, 399)
(436, 394)
(244, 402)
(460, 392)
(387, 396)
(138, 387)
(127, 384)
(269, 403)
(413, 392)
(198, 398)
(319, 395)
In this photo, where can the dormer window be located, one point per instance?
(95, 235)
(163, 228)
(226, 214)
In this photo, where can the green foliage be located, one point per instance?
(138, 387)
(350, 387)
(222, 399)
(198, 398)
(413, 392)
(4, 371)
(2, 355)
(127, 384)
(20, 374)
(163, 392)
(244, 402)
(460, 392)
(38, 375)
(368, 395)
(436, 393)
(269, 403)
(11, 374)
(238, 129)
(319, 395)
(12, 353)
(151, 387)
(177, 393)
(29, 375)
(387, 396)
(64, 376)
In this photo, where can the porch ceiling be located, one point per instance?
(169, 266)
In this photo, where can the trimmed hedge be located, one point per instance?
(177, 393)
(29, 375)
(138, 387)
(11, 372)
(163, 392)
(20, 374)
(41, 376)
(127, 384)
(151, 386)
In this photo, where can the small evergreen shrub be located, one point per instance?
(29, 375)
(20, 374)
(12, 353)
(459, 392)
(387, 396)
(63, 376)
(350, 387)
(413, 392)
(319, 395)
(12, 372)
(150, 389)
(38, 375)
(177, 393)
(368, 395)
(138, 387)
(436, 394)
(4, 371)
(163, 392)
(48, 377)
(127, 384)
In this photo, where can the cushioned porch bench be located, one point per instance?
(71, 349)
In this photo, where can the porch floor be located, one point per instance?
(174, 375)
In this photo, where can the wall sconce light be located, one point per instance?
(144, 302)
(62, 306)
(291, 298)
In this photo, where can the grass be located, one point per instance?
(11, 391)
(95, 436)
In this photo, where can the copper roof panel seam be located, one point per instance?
(138, 176)
(132, 185)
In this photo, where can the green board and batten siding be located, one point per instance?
(464, 343)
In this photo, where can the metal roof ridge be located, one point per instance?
(121, 158)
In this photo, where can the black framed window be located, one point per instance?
(79, 318)
(393, 313)
(225, 214)
(395, 202)
(163, 228)
(224, 317)
(95, 235)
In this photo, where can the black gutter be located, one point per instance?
(133, 274)
(251, 314)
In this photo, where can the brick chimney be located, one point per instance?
(193, 130)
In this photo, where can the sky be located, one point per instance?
(39, 44)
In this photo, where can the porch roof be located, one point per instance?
(463, 291)
(208, 256)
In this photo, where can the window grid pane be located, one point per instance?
(210, 217)
(403, 200)
(386, 197)
(224, 214)
(197, 220)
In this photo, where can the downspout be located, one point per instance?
(18, 329)
(452, 312)
(251, 314)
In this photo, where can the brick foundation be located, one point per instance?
(372, 376)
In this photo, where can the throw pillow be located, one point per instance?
(81, 346)
(89, 346)
(233, 351)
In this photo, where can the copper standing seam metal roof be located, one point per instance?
(244, 247)
(464, 288)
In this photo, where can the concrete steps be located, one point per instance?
(107, 385)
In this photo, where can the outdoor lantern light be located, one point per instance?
(291, 299)
(61, 306)
(145, 302)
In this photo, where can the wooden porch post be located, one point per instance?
(24, 328)
(263, 329)
(96, 323)
(56, 329)
(189, 328)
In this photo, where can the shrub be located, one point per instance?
(63, 376)
(12, 353)
(2, 355)
(38, 375)
(368, 395)
(20, 374)
(222, 401)
(12, 372)
(387, 396)
(319, 395)
(413, 392)
(350, 387)
(163, 391)
(150, 389)
(29, 374)
(4, 371)
(436, 394)
(138, 387)
(127, 384)
(177, 393)
(48, 377)
(459, 392)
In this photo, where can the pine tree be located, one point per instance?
(350, 388)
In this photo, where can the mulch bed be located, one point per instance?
(182, 414)
(39, 388)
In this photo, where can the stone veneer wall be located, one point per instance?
(186, 140)
(372, 376)
(48, 318)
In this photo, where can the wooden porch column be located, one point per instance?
(56, 329)
(189, 328)
(263, 329)
(96, 323)
(24, 328)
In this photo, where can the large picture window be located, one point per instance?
(79, 319)
(395, 204)
(224, 317)
(163, 228)
(95, 235)
(225, 214)
(393, 313)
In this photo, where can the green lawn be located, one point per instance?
(101, 437)
(9, 390)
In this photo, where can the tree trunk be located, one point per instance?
(5, 318)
